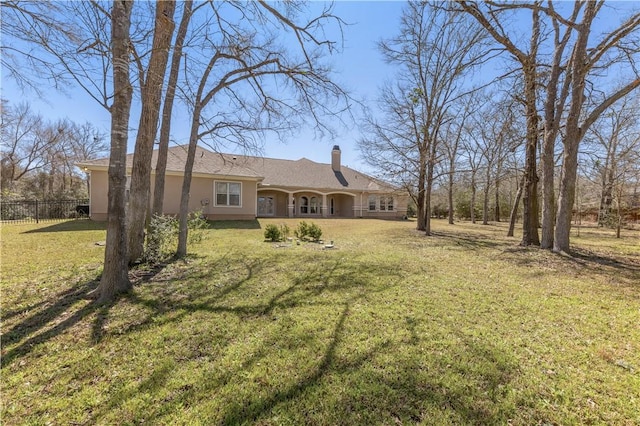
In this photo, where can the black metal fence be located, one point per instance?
(36, 211)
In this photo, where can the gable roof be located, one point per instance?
(302, 173)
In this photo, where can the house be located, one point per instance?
(227, 186)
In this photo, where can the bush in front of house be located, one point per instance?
(272, 233)
(308, 231)
(276, 233)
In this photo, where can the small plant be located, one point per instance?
(284, 231)
(196, 224)
(275, 233)
(162, 237)
(272, 233)
(306, 231)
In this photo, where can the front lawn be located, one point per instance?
(388, 327)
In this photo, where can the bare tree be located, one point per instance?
(610, 147)
(167, 108)
(22, 143)
(434, 51)
(555, 91)
(151, 93)
(583, 61)
(452, 137)
(488, 15)
(115, 278)
(248, 83)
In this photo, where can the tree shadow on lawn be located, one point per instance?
(623, 270)
(71, 225)
(471, 241)
(336, 286)
(53, 317)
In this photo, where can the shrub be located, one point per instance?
(306, 231)
(272, 233)
(284, 231)
(196, 223)
(162, 236)
(162, 239)
(275, 233)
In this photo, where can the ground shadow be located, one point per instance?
(234, 224)
(29, 332)
(72, 225)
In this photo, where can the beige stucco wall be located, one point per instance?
(202, 197)
(98, 185)
(202, 189)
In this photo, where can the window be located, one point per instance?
(304, 205)
(372, 203)
(313, 205)
(228, 193)
(386, 203)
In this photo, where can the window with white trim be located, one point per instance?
(372, 203)
(386, 203)
(228, 193)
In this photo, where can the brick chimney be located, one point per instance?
(335, 158)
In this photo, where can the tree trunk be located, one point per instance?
(186, 183)
(497, 185)
(530, 188)
(514, 208)
(151, 99)
(450, 193)
(472, 203)
(167, 108)
(420, 204)
(115, 277)
(553, 109)
(485, 199)
(573, 135)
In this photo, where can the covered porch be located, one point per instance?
(304, 204)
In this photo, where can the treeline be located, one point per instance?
(39, 157)
(528, 105)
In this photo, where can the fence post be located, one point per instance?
(37, 215)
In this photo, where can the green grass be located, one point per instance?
(388, 327)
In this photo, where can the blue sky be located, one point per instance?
(359, 68)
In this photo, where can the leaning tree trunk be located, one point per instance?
(151, 100)
(167, 108)
(514, 208)
(115, 277)
(186, 183)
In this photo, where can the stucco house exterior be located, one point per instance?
(227, 186)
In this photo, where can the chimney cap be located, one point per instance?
(336, 147)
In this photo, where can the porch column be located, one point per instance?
(290, 206)
(324, 205)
